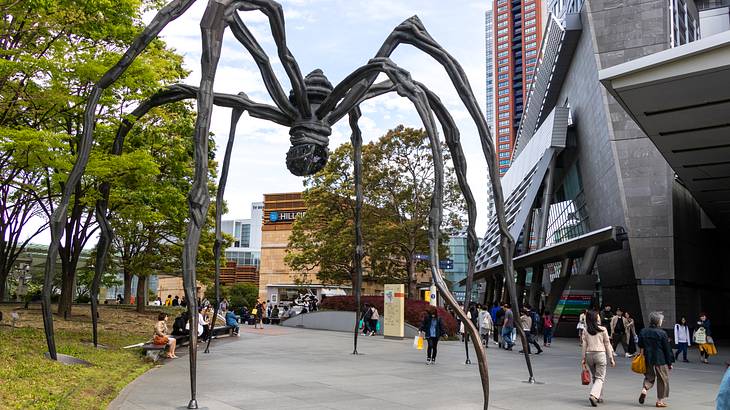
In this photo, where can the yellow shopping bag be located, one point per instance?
(420, 343)
(638, 365)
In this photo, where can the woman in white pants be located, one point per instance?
(596, 352)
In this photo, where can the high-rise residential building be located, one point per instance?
(517, 28)
(489, 43)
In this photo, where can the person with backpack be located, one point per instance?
(547, 328)
(486, 326)
(527, 327)
(374, 318)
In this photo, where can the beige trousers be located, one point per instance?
(660, 375)
(596, 362)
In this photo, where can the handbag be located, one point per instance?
(638, 365)
(700, 336)
(585, 376)
(160, 340)
(254, 311)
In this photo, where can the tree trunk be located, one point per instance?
(141, 293)
(3, 280)
(65, 301)
(412, 281)
(127, 287)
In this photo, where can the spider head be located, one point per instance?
(310, 136)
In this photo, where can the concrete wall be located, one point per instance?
(714, 21)
(623, 30)
(335, 320)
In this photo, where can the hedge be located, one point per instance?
(415, 310)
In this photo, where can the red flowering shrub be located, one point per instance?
(415, 310)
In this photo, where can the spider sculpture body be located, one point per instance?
(309, 111)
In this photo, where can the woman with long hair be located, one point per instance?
(682, 339)
(596, 351)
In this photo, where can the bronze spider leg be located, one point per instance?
(413, 32)
(356, 140)
(171, 94)
(167, 14)
(235, 116)
(404, 86)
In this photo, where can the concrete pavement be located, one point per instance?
(281, 367)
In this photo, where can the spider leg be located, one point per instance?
(401, 82)
(275, 14)
(167, 14)
(356, 140)
(235, 116)
(212, 27)
(244, 36)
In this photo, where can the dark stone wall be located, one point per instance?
(623, 30)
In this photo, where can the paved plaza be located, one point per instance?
(283, 368)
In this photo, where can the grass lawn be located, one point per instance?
(30, 381)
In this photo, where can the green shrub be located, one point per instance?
(238, 295)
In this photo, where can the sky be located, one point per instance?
(337, 36)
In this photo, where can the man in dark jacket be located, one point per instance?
(654, 345)
(432, 328)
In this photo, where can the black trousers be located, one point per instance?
(432, 345)
(532, 340)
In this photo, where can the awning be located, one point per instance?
(607, 239)
(681, 99)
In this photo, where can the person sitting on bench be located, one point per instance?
(161, 337)
(178, 326)
(232, 321)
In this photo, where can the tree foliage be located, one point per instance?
(398, 180)
(51, 53)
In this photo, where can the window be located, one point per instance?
(529, 7)
(504, 130)
(503, 100)
(504, 107)
(504, 154)
(503, 76)
(503, 45)
(530, 37)
(504, 115)
(532, 61)
(503, 162)
(504, 138)
(502, 16)
(503, 54)
(502, 31)
(503, 84)
(244, 236)
(504, 61)
(504, 123)
(531, 45)
(504, 69)
(531, 53)
(502, 39)
(530, 69)
(530, 29)
(529, 15)
(503, 146)
(501, 9)
(503, 23)
(244, 258)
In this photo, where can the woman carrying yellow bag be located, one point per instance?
(654, 347)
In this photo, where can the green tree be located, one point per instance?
(51, 53)
(397, 186)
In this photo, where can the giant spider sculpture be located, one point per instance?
(309, 111)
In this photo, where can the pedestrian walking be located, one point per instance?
(374, 319)
(596, 352)
(486, 326)
(367, 314)
(527, 327)
(508, 325)
(547, 328)
(631, 338)
(606, 315)
(432, 328)
(618, 332)
(654, 345)
(258, 314)
(498, 318)
(681, 338)
(703, 338)
(581, 326)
